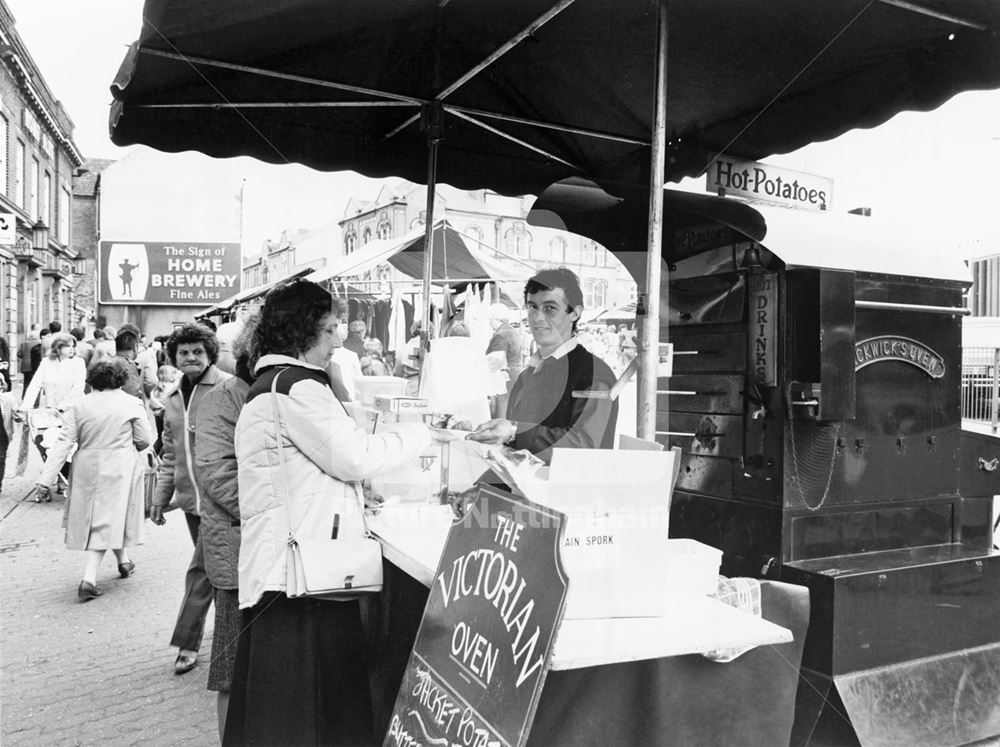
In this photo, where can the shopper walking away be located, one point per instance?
(106, 506)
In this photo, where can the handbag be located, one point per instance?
(328, 568)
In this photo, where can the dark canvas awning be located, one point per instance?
(454, 259)
(570, 84)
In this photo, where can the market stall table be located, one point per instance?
(622, 680)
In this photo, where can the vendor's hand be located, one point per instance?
(156, 515)
(496, 431)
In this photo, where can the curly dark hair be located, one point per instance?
(189, 334)
(108, 373)
(290, 319)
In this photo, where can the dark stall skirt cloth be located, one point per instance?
(301, 675)
(227, 630)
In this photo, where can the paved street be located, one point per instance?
(99, 672)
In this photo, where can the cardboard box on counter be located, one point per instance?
(397, 404)
(615, 549)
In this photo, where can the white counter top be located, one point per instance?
(414, 535)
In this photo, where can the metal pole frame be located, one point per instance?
(649, 329)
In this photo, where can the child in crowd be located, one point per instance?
(168, 378)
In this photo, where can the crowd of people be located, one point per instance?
(266, 450)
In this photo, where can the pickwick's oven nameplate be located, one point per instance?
(895, 348)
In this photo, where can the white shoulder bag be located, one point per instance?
(328, 568)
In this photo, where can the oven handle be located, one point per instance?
(913, 307)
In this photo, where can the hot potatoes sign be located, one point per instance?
(765, 183)
(481, 655)
(175, 274)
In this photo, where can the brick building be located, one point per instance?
(38, 159)
(84, 229)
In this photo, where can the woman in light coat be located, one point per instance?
(300, 674)
(60, 378)
(106, 507)
(59, 383)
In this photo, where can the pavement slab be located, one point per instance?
(100, 672)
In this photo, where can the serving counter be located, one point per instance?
(637, 680)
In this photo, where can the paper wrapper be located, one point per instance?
(520, 469)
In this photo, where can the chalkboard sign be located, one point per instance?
(482, 652)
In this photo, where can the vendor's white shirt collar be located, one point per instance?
(535, 361)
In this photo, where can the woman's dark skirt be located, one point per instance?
(227, 631)
(300, 676)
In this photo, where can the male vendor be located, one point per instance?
(542, 411)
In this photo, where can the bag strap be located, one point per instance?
(281, 462)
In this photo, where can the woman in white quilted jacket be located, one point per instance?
(301, 674)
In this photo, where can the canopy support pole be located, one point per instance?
(432, 123)
(649, 330)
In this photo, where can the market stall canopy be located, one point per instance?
(836, 241)
(248, 294)
(523, 93)
(455, 259)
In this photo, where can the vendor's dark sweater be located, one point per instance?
(548, 415)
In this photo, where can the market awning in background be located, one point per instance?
(248, 295)
(620, 313)
(455, 259)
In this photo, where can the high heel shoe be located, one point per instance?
(126, 569)
(88, 591)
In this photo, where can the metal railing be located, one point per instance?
(981, 385)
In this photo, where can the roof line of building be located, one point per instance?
(22, 74)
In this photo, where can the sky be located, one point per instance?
(79, 56)
(941, 167)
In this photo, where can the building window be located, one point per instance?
(589, 253)
(33, 293)
(43, 199)
(366, 236)
(517, 241)
(350, 242)
(4, 131)
(62, 233)
(557, 250)
(19, 174)
(595, 293)
(384, 230)
(31, 182)
(600, 294)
